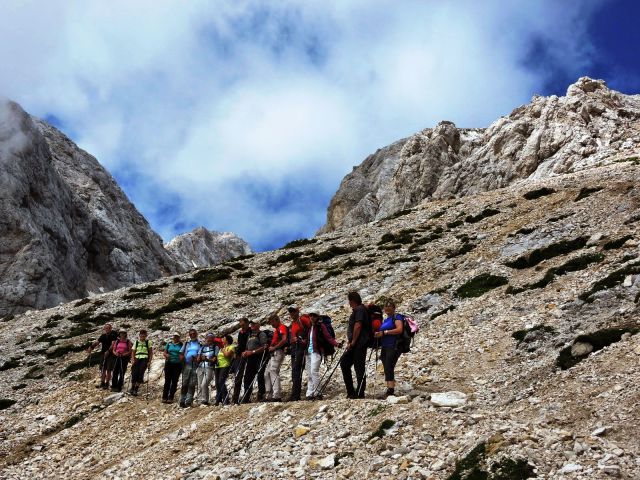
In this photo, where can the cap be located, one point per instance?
(210, 335)
(293, 307)
(254, 322)
(175, 334)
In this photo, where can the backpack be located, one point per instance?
(269, 334)
(375, 321)
(326, 346)
(409, 328)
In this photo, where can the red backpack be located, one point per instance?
(375, 322)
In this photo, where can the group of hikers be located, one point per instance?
(256, 356)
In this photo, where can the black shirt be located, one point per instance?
(361, 316)
(107, 339)
(242, 341)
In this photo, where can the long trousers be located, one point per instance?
(356, 358)
(119, 370)
(389, 357)
(189, 381)
(221, 384)
(205, 375)
(239, 367)
(137, 371)
(297, 365)
(272, 383)
(313, 373)
(254, 369)
(172, 373)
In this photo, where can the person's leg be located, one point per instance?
(224, 392)
(251, 370)
(309, 377)
(394, 356)
(315, 360)
(167, 382)
(208, 378)
(237, 382)
(360, 365)
(176, 371)
(200, 373)
(186, 373)
(269, 375)
(345, 365)
(277, 359)
(297, 365)
(261, 383)
(191, 390)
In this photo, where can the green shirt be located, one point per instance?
(223, 361)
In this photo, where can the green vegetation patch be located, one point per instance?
(556, 249)
(53, 321)
(332, 252)
(82, 302)
(247, 274)
(586, 192)
(207, 276)
(480, 285)
(439, 313)
(301, 242)
(486, 213)
(473, 466)
(520, 335)
(91, 360)
(599, 340)
(6, 403)
(573, 265)
(465, 248)
(9, 364)
(470, 467)
(401, 213)
(381, 430)
(611, 280)
(404, 260)
(391, 246)
(143, 292)
(33, 373)
(19, 386)
(402, 237)
(522, 231)
(455, 223)
(538, 193)
(65, 349)
(617, 242)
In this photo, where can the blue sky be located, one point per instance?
(244, 116)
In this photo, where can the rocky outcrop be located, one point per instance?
(67, 229)
(549, 136)
(204, 248)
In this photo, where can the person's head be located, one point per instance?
(193, 334)
(315, 318)
(294, 311)
(389, 307)
(175, 337)
(227, 339)
(244, 323)
(255, 326)
(354, 299)
(123, 335)
(211, 338)
(274, 320)
(142, 334)
(107, 328)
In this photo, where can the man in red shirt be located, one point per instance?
(272, 384)
(299, 333)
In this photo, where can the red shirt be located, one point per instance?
(300, 329)
(278, 334)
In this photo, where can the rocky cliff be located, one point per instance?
(526, 362)
(549, 136)
(205, 248)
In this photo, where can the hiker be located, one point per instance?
(358, 334)
(141, 356)
(255, 356)
(225, 356)
(317, 340)
(120, 354)
(106, 365)
(189, 358)
(272, 383)
(298, 344)
(172, 367)
(390, 331)
(240, 362)
(207, 359)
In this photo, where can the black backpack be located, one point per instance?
(403, 342)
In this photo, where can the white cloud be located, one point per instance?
(198, 97)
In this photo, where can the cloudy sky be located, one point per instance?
(245, 115)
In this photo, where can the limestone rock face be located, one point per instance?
(549, 136)
(66, 228)
(204, 248)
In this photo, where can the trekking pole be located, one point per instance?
(375, 373)
(327, 368)
(255, 377)
(364, 377)
(326, 383)
(235, 374)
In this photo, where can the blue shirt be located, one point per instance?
(190, 350)
(389, 324)
(173, 350)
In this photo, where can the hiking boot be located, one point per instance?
(105, 386)
(216, 404)
(275, 400)
(183, 405)
(101, 385)
(164, 400)
(352, 396)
